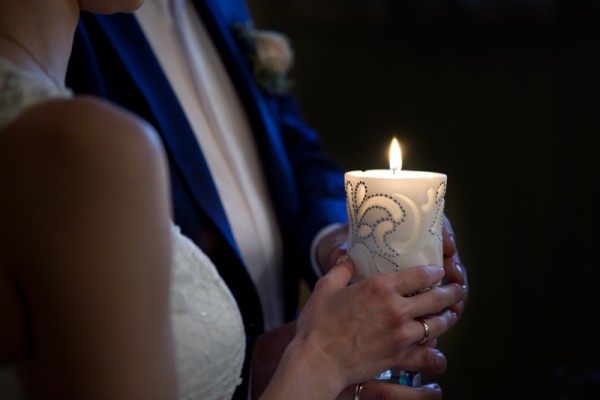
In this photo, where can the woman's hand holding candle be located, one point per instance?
(352, 332)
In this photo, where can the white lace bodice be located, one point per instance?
(20, 89)
(209, 334)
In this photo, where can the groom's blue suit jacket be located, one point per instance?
(111, 58)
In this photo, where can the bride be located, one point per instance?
(102, 297)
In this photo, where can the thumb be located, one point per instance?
(341, 273)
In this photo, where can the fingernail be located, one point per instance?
(452, 239)
(458, 266)
(342, 259)
(453, 317)
(440, 361)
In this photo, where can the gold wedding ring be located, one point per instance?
(358, 390)
(425, 332)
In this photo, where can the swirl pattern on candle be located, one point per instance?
(389, 232)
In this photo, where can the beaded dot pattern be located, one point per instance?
(385, 228)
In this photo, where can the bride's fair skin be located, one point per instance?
(84, 237)
(348, 334)
(84, 253)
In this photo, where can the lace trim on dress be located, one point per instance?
(21, 89)
(210, 338)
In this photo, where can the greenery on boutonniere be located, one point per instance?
(269, 54)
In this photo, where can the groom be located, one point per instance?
(302, 191)
(249, 184)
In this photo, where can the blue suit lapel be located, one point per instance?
(218, 16)
(177, 134)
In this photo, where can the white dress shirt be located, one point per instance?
(200, 81)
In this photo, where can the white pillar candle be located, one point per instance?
(394, 217)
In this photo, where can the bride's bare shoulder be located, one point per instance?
(83, 214)
(65, 149)
(80, 121)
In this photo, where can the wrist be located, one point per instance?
(266, 356)
(306, 372)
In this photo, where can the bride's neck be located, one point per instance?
(38, 38)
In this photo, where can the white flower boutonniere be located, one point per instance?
(269, 54)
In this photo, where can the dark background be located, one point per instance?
(503, 97)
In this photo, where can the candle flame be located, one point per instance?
(395, 156)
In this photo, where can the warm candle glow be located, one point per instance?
(395, 156)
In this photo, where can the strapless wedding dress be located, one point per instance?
(209, 333)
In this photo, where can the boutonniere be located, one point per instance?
(270, 56)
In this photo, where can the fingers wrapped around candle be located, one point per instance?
(423, 356)
(359, 330)
(455, 271)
